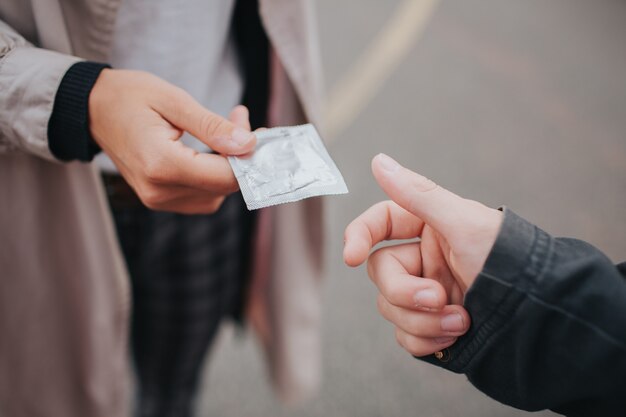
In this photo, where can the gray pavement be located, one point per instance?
(520, 103)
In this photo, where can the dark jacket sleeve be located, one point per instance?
(548, 325)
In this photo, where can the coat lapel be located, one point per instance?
(292, 30)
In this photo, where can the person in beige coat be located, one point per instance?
(64, 299)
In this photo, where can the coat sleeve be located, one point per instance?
(29, 80)
(548, 325)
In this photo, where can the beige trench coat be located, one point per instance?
(64, 295)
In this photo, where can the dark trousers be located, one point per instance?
(187, 274)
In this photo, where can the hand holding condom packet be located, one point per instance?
(288, 164)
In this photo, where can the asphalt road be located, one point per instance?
(520, 103)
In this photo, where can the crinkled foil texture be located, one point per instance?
(288, 164)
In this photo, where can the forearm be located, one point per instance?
(549, 325)
(29, 80)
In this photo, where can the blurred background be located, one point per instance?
(520, 103)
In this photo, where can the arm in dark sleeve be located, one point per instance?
(69, 137)
(548, 325)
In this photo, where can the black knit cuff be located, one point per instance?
(68, 128)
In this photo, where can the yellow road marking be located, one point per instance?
(369, 72)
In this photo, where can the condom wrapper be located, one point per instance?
(288, 164)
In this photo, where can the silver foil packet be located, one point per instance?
(288, 164)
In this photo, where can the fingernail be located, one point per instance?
(444, 340)
(387, 163)
(426, 299)
(241, 136)
(452, 323)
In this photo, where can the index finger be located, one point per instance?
(383, 221)
(204, 171)
(220, 134)
(397, 273)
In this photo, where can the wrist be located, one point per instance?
(97, 104)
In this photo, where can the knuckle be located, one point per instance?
(151, 197)
(390, 290)
(155, 170)
(178, 103)
(387, 289)
(415, 327)
(399, 338)
(372, 265)
(215, 205)
(422, 184)
(371, 270)
(231, 187)
(376, 255)
(381, 206)
(414, 346)
(393, 293)
(210, 124)
(180, 93)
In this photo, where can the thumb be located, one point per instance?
(220, 134)
(436, 206)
